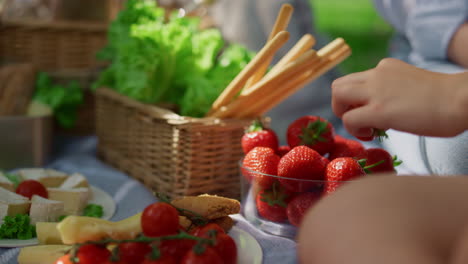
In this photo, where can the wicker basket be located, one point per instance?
(52, 46)
(169, 153)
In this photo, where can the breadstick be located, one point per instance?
(304, 44)
(236, 85)
(266, 85)
(331, 47)
(281, 23)
(294, 85)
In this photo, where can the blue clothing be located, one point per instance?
(423, 31)
(428, 25)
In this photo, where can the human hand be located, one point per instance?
(400, 96)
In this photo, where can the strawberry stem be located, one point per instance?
(312, 133)
(256, 126)
(380, 134)
(362, 163)
(396, 161)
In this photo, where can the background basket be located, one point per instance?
(169, 153)
(64, 50)
(52, 46)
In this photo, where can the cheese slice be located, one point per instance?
(42, 254)
(45, 210)
(76, 180)
(6, 183)
(75, 200)
(48, 177)
(12, 203)
(48, 234)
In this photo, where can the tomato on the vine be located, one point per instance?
(209, 256)
(176, 247)
(133, 252)
(203, 231)
(160, 219)
(65, 259)
(28, 188)
(226, 248)
(92, 254)
(161, 260)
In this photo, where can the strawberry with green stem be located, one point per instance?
(388, 164)
(301, 169)
(299, 205)
(271, 204)
(312, 131)
(260, 165)
(257, 135)
(341, 170)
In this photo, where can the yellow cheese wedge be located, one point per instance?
(78, 229)
(6, 183)
(48, 234)
(75, 200)
(43, 254)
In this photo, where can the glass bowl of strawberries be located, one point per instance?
(280, 183)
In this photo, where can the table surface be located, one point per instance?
(79, 155)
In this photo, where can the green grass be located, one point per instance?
(359, 24)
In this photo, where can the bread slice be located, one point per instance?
(6, 183)
(75, 200)
(48, 177)
(45, 210)
(208, 206)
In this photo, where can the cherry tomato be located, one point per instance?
(209, 256)
(176, 248)
(65, 259)
(203, 231)
(160, 219)
(115, 262)
(133, 252)
(162, 260)
(226, 248)
(29, 188)
(92, 254)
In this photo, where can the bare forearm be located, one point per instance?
(459, 99)
(457, 51)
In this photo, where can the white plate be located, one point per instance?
(248, 249)
(99, 197)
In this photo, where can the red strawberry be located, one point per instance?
(303, 167)
(375, 155)
(271, 204)
(312, 131)
(341, 170)
(258, 136)
(282, 150)
(299, 205)
(347, 148)
(258, 162)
